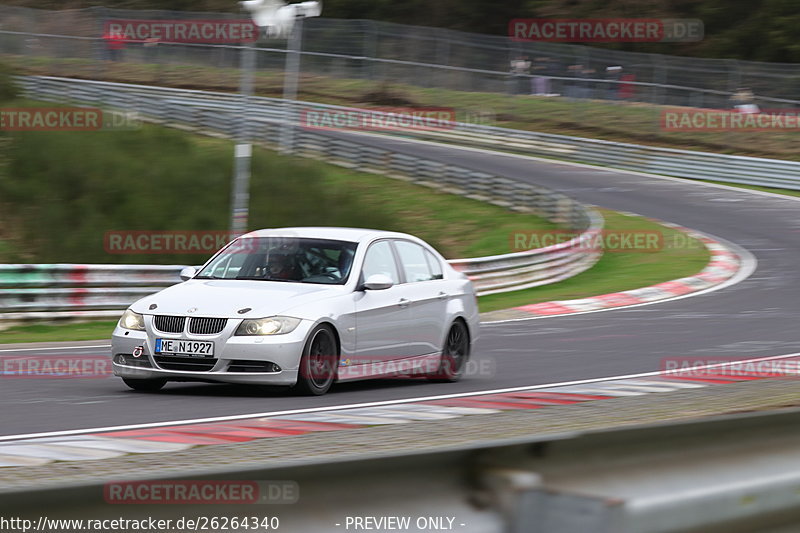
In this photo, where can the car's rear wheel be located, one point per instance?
(319, 361)
(145, 385)
(455, 354)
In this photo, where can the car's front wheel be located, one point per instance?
(145, 385)
(319, 361)
(455, 354)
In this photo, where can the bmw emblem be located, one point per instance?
(192, 310)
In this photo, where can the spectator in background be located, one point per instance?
(625, 87)
(150, 50)
(554, 69)
(540, 81)
(613, 75)
(520, 69)
(573, 85)
(584, 89)
(743, 100)
(115, 43)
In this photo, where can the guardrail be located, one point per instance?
(55, 292)
(223, 111)
(735, 474)
(32, 292)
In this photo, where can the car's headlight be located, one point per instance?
(131, 320)
(274, 325)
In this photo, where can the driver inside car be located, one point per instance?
(281, 266)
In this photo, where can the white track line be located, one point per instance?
(56, 348)
(557, 161)
(380, 403)
(748, 260)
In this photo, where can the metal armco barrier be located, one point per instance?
(735, 474)
(64, 290)
(209, 109)
(70, 290)
(63, 295)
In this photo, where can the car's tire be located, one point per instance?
(455, 354)
(319, 362)
(145, 385)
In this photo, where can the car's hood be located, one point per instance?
(225, 298)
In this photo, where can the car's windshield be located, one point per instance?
(287, 259)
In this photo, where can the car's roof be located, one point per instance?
(327, 232)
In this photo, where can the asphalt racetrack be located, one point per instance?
(754, 318)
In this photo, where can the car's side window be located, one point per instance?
(412, 257)
(436, 266)
(380, 260)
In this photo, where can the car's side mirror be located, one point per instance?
(378, 282)
(188, 273)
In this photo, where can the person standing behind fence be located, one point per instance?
(115, 43)
(540, 81)
(520, 69)
(626, 88)
(585, 88)
(743, 100)
(572, 84)
(554, 69)
(613, 75)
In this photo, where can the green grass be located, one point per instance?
(785, 192)
(80, 185)
(616, 271)
(613, 273)
(460, 227)
(80, 331)
(601, 119)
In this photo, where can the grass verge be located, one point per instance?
(784, 192)
(76, 331)
(614, 272)
(81, 185)
(617, 271)
(596, 117)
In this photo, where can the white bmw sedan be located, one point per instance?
(303, 307)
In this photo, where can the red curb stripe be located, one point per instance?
(296, 425)
(714, 381)
(674, 287)
(616, 299)
(503, 406)
(559, 396)
(166, 436)
(545, 308)
(729, 378)
(216, 433)
(239, 431)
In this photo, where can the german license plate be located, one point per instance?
(185, 348)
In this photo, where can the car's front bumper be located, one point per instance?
(284, 351)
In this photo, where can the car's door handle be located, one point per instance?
(403, 302)
(443, 296)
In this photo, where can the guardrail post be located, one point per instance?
(240, 194)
